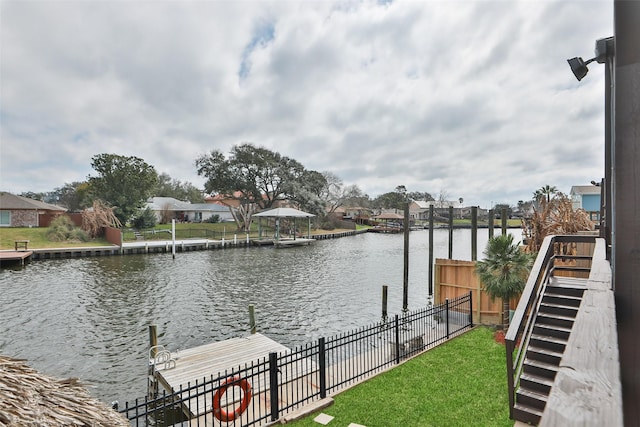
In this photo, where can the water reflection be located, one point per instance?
(89, 317)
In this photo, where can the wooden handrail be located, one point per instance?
(521, 324)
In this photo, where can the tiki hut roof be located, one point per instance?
(29, 398)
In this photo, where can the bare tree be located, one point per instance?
(97, 217)
(443, 196)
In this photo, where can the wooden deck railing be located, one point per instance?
(521, 326)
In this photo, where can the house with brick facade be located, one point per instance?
(18, 211)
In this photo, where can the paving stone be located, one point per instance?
(323, 419)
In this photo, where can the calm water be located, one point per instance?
(89, 317)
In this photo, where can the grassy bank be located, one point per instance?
(38, 239)
(37, 236)
(460, 383)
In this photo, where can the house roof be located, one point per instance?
(11, 201)
(421, 204)
(389, 215)
(161, 203)
(437, 204)
(585, 189)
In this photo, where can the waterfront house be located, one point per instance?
(18, 211)
(419, 209)
(586, 197)
(168, 208)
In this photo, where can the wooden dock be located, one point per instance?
(199, 362)
(212, 360)
(14, 257)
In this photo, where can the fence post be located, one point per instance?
(446, 311)
(471, 309)
(273, 386)
(322, 361)
(397, 331)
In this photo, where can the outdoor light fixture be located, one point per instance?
(604, 54)
(604, 49)
(579, 67)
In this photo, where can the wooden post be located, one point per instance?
(405, 281)
(436, 296)
(153, 339)
(430, 297)
(474, 233)
(252, 319)
(173, 238)
(450, 232)
(385, 292)
(491, 223)
(504, 221)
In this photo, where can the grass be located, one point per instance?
(37, 237)
(460, 383)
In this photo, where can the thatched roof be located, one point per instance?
(28, 398)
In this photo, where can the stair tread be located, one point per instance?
(555, 316)
(532, 393)
(573, 257)
(567, 297)
(578, 284)
(551, 304)
(548, 338)
(536, 379)
(527, 408)
(544, 351)
(539, 364)
(566, 279)
(553, 327)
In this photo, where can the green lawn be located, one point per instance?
(460, 383)
(37, 237)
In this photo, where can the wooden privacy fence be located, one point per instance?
(454, 278)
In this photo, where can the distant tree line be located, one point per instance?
(255, 177)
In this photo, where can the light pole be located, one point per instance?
(604, 54)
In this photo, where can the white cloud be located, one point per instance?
(473, 97)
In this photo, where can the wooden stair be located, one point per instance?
(552, 327)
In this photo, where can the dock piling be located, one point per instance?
(504, 221)
(153, 339)
(252, 318)
(385, 292)
(474, 233)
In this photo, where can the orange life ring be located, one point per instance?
(220, 413)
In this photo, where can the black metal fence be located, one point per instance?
(270, 388)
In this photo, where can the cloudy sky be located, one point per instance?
(471, 98)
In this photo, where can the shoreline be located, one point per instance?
(184, 245)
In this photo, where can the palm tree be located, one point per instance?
(504, 271)
(546, 192)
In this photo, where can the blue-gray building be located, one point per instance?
(587, 197)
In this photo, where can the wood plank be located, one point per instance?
(587, 388)
(203, 362)
(7, 257)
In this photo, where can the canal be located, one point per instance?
(88, 317)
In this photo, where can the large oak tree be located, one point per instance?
(124, 183)
(258, 176)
